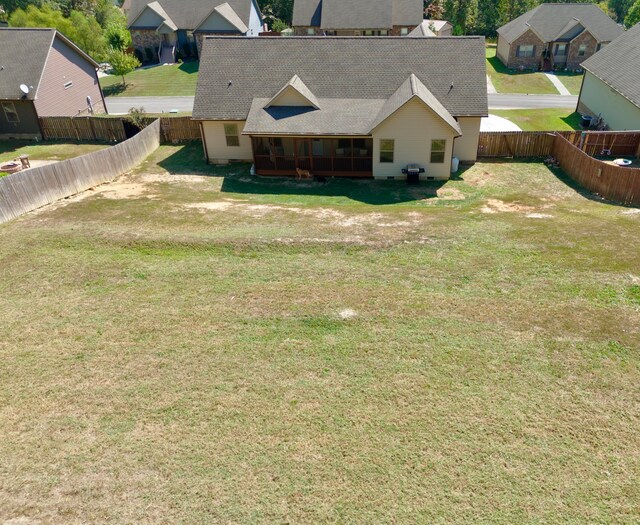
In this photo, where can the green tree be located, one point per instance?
(620, 8)
(83, 30)
(11, 5)
(633, 16)
(117, 37)
(122, 63)
(280, 9)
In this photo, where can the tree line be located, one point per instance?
(469, 17)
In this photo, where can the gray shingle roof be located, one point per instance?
(618, 65)
(550, 21)
(357, 14)
(335, 116)
(307, 13)
(188, 14)
(298, 85)
(23, 58)
(413, 88)
(234, 71)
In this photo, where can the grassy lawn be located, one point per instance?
(160, 81)
(509, 81)
(572, 81)
(11, 149)
(550, 119)
(195, 345)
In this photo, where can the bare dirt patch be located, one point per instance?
(450, 194)
(498, 206)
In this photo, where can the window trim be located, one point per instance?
(233, 139)
(582, 50)
(404, 31)
(10, 107)
(438, 151)
(392, 143)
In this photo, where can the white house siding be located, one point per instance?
(466, 147)
(412, 127)
(598, 99)
(503, 50)
(255, 23)
(216, 143)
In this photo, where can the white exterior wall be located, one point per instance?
(216, 143)
(466, 147)
(255, 22)
(618, 112)
(503, 50)
(412, 127)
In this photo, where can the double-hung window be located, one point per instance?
(526, 51)
(386, 150)
(582, 50)
(438, 150)
(10, 112)
(231, 134)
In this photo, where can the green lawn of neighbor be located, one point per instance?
(159, 81)
(193, 344)
(11, 149)
(550, 119)
(511, 81)
(572, 81)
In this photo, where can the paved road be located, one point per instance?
(504, 101)
(118, 105)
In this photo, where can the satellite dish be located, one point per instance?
(24, 88)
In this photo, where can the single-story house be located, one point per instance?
(433, 28)
(356, 17)
(611, 84)
(166, 29)
(43, 73)
(555, 36)
(343, 106)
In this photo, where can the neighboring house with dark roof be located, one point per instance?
(166, 28)
(611, 84)
(344, 106)
(555, 36)
(433, 28)
(356, 17)
(42, 73)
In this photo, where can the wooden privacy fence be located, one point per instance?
(95, 129)
(114, 129)
(30, 189)
(607, 180)
(521, 144)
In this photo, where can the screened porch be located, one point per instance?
(339, 157)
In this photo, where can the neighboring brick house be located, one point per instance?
(611, 86)
(43, 73)
(555, 36)
(356, 17)
(342, 107)
(162, 30)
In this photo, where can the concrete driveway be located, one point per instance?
(495, 123)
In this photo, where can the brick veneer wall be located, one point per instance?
(529, 38)
(573, 60)
(394, 31)
(144, 38)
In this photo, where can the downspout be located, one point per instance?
(204, 143)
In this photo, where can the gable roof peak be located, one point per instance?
(296, 84)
